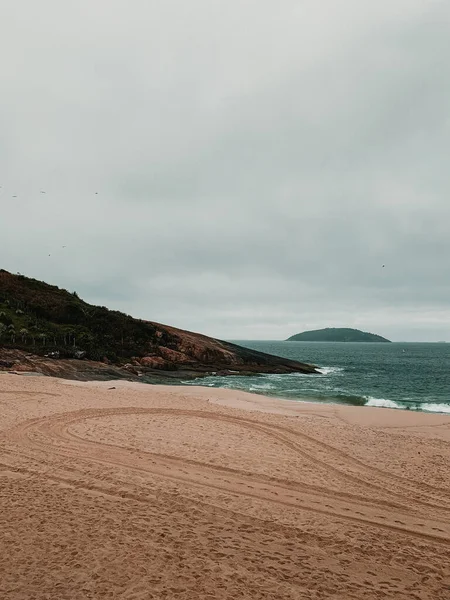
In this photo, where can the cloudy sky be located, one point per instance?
(242, 168)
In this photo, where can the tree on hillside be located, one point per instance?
(12, 333)
(5, 318)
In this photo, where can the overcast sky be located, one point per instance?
(241, 168)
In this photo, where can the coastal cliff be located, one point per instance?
(49, 330)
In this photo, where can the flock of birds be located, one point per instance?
(96, 193)
(41, 192)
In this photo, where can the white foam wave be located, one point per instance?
(262, 386)
(275, 377)
(330, 370)
(437, 408)
(382, 403)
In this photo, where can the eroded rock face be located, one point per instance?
(196, 352)
(24, 362)
(174, 356)
(153, 362)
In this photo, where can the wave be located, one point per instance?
(330, 370)
(382, 403)
(262, 386)
(318, 389)
(436, 408)
(433, 407)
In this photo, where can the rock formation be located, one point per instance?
(51, 331)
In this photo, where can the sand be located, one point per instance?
(145, 492)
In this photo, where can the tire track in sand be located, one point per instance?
(52, 435)
(355, 470)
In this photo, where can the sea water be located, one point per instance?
(412, 376)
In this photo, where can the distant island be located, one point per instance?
(336, 334)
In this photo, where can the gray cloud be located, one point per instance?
(256, 164)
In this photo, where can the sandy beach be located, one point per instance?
(128, 491)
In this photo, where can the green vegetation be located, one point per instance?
(333, 334)
(44, 318)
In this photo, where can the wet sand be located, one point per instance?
(142, 492)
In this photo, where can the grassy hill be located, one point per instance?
(44, 320)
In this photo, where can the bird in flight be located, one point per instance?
(42, 192)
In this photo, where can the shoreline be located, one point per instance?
(254, 401)
(250, 402)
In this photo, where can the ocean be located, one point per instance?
(412, 376)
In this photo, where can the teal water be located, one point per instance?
(398, 375)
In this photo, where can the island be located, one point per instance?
(337, 334)
(51, 331)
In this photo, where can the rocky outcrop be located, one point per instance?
(19, 362)
(195, 356)
(199, 354)
(51, 331)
